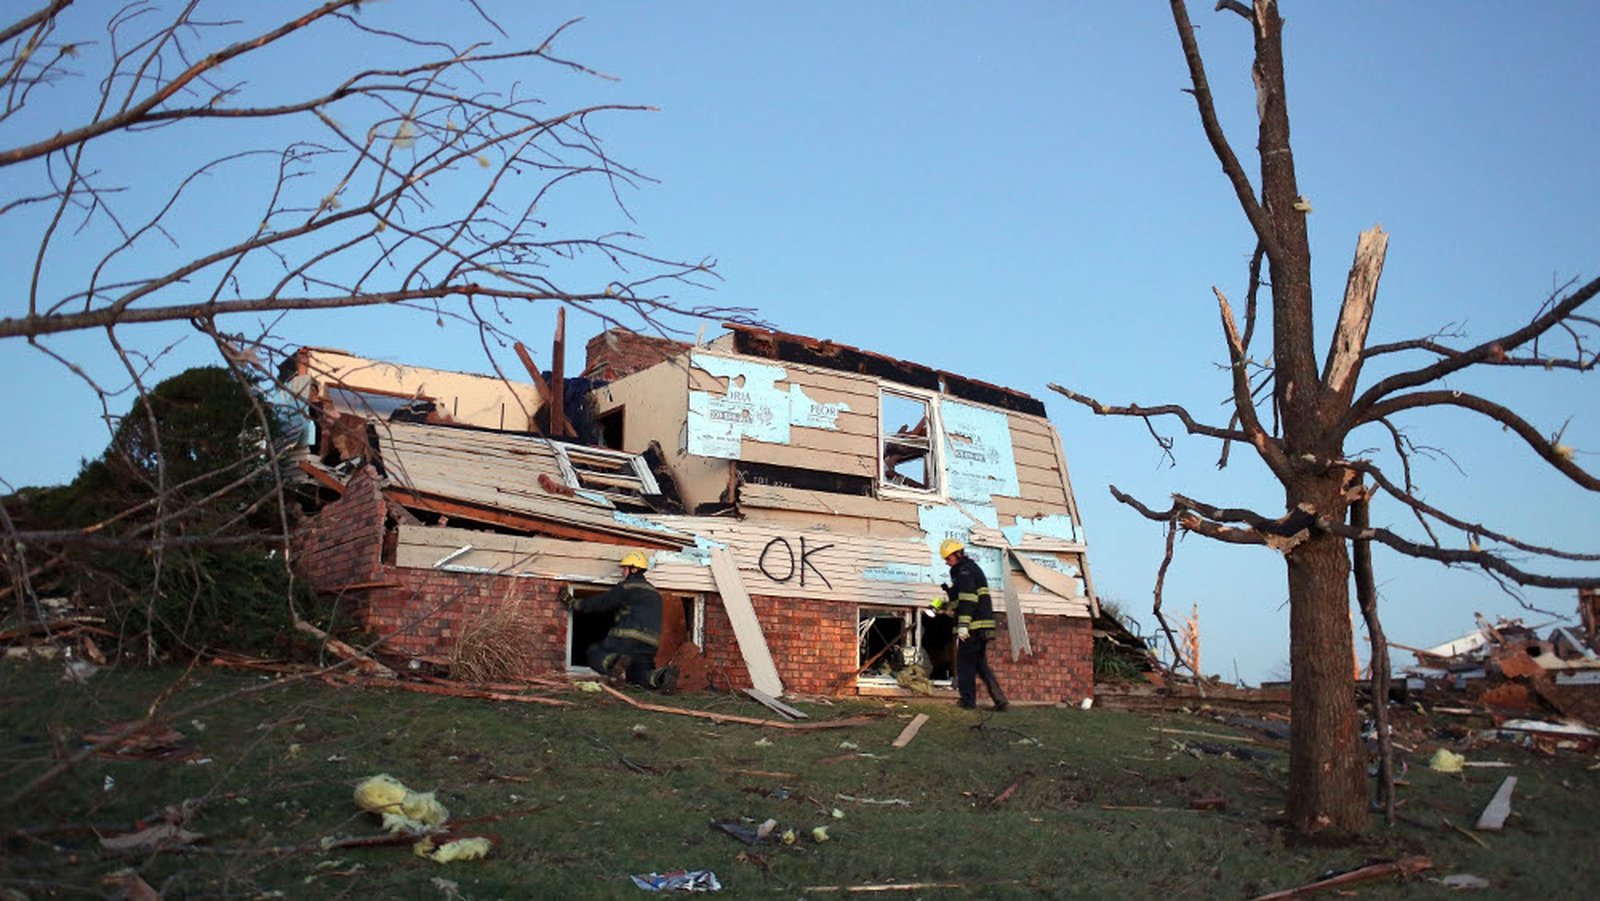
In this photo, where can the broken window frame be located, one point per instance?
(613, 484)
(928, 444)
(909, 619)
(696, 633)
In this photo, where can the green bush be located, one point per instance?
(175, 533)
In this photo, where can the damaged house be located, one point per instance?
(791, 495)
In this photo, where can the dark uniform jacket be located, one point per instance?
(637, 605)
(970, 592)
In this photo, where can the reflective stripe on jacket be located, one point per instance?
(637, 605)
(973, 607)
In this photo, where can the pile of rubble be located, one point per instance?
(1542, 690)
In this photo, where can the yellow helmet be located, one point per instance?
(636, 559)
(950, 546)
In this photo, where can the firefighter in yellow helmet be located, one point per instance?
(968, 592)
(629, 649)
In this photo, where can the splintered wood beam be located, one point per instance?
(1406, 866)
(1355, 314)
(538, 382)
(558, 357)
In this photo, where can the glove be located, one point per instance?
(962, 632)
(949, 592)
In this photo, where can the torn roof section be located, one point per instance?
(850, 465)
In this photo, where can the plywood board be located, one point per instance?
(746, 628)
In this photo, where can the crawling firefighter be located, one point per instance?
(968, 593)
(629, 649)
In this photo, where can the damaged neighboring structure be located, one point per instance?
(1547, 688)
(791, 494)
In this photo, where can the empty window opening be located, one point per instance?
(610, 424)
(907, 442)
(899, 648)
(682, 619)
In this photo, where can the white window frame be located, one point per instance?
(935, 456)
(912, 619)
(570, 473)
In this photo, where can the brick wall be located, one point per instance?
(424, 615)
(342, 544)
(616, 353)
(813, 643)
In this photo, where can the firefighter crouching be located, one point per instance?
(968, 593)
(629, 649)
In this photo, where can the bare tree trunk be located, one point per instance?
(1326, 773)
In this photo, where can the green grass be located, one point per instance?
(283, 763)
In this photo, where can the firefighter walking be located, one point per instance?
(629, 648)
(968, 592)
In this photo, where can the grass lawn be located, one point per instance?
(1033, 802)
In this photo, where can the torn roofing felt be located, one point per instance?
(518, 481)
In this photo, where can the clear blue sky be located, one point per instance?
(1021, 192)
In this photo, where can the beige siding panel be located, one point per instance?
(829, 380)
(422, 547)
(1034, 458)
(798, 521)
(805, 458)
(1033, 441)
(1032, 425)
(838, 561)
(825, 440)
(746, 628)
(1044, 487)
(827, 503)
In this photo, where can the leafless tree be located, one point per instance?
(1314, 405)
(158, 166)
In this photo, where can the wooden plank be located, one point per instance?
(776, 705)
(910, 731)
(1016, 625)
(1494, 815)
(746, 628)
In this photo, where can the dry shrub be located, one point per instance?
(495, 647)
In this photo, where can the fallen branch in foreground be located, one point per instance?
(732, 718)
(1405, 866)
(449, 691)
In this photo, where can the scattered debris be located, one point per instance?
(842, 723)
(1445, 760)
(1464, 881)
(1404, 867)
(1494, 815)
(910, 731)
(679, 881)
(153, 838)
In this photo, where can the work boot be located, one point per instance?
(617, 675)
(995, 694)
(665, 679)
